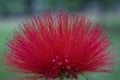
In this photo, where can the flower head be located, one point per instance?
(59, 46)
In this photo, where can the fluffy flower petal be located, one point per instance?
(57, 46)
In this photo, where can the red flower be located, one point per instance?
(61, 46)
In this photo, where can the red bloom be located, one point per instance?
(61, 46)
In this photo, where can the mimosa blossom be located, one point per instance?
(59, 46)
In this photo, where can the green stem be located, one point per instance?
(61, 77)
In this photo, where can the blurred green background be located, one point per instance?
(106, 12)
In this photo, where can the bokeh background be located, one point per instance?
(106, 12)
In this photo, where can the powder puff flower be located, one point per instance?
(60, 46)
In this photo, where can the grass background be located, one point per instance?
(111, 25)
